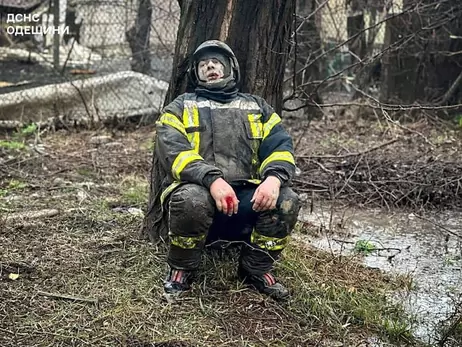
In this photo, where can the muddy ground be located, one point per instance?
(75, 272)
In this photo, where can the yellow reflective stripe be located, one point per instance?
(196, 137)
(254, 181)
(173, 121)
(187, 118)
(187, 122)
(278, 156)
(270, 124)
(256, 127)
(267, 242)
(167, 191)
(183, 159)
(191, 119)
(187, 242)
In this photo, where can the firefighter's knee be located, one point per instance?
(273, 227)
(191, 211)
(288, 207)
(279, 223)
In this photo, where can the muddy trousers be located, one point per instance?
(193, 221)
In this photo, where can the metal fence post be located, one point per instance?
(56, 30)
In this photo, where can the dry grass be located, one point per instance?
(91, 251)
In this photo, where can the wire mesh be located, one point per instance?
(97, 76)
(112, 62)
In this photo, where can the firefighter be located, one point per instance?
(228, 165)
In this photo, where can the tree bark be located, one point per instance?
(425, 61)
(138, 38)
(257, 31)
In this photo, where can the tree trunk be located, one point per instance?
(138, 38)
(368, 72)
(257, 31)
(427, 66)
(308, 41)
(355, 24)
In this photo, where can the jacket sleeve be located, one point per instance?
(276, 151)
(175, 151)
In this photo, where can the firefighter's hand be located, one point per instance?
(224, 196)
(266, 195)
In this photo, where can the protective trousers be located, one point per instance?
(193, 221)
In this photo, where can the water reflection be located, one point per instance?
(408, 245)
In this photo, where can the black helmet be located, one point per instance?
(222, 49)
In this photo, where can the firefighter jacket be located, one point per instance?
(199, 139)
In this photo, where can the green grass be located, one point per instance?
(364, 247)
(12, 145)
(28, 129)
(13, 185)
(134, 192)
(341, 293)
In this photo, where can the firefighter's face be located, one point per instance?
(210, 70)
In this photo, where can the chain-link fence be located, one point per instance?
(114, 57)
(95, 73)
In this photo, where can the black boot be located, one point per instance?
(265, 283)
(178, 281)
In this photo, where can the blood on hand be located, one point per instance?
(229, 203)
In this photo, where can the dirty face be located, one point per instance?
(210, 70)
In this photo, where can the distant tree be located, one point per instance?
(138, 38)
(424, 61)
(355, 27)
(363, 46)
(307, 48)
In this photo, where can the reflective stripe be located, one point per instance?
(235, 104)
(187, 242)
(196, 137)
(269, 279)
(278, 156)
(167, 191)
(270, 124)
(256, 127)
(173, 121)
(254, 181)
(191, 119)
(183, 159)
(187, 122)
(267, 242)
(256, 132)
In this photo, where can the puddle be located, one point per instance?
(408, 245)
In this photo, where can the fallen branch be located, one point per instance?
(453, 233)
(451, 90)
(67, 297)
(32, 214)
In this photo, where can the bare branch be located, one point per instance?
(388, 143)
